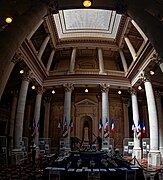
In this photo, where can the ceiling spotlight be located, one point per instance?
(119, 92)
(139, 87)
(87, 3)
(21, 71)
(8, 20)
(152, 72)
(53, 91)
(86, 90)
(33, 87)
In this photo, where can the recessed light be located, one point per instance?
(53, 91)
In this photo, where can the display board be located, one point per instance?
(128, 145)
(145, 147)
(45, 145)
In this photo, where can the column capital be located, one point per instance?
(18, 57)
(132, 91)
(47, 99)
(27, 75)
(155, 57)
(40, 90)
(125, 100)
(144, 77)
(68, 87)
(104, 87)
(53, 7)
(158, 94)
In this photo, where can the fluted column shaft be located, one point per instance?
(43, 46)
(153, 121)
(131, 48)
(46, 117)
(160, 121)
(20, 111)
(105, 106)
(50, 60)
(12, 119)
(72, 61)
(135, 111)
(101, 61)
(37, 114)
(126, 117)
(123, 60)
(67, 109)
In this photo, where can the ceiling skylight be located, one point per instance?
(87, 23)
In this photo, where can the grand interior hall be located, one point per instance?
(82, 81)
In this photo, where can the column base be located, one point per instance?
(154, 158)
(136, 153)
(161, 151)
(102, 73)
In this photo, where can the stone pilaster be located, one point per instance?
(126, 117)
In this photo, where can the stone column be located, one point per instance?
(12, 118)
(43, 46)
(20, 110)
(126, 117)
(105, 107)
(131, 48)
(37, 110)
(5, 76)
(46, 117)
(154, 154)
(72, 62)
(140, 31)
(149, 24)
(67, 110)
(16, 33)
(35, 29)
(50, 60)
(123, 60)
(160, 120)
(135, 111)
(101, 61)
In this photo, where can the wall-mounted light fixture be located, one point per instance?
(53, 91)
(33, 87)
(87, 3)
(21, 71)
(8, 20)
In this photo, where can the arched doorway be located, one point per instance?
(86, 124)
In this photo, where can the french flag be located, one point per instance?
(100, 126)
(71, 125)
(106, 129)
(139, 130)
(143, 127)
(65, 129)
(133, 126)
(112, 126)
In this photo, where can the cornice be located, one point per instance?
(86, 79)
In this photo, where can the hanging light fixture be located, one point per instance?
(87, 3)
(8, 20)
(53, 91)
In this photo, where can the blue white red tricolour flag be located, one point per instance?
(133, 126)
(106, 129)
(65, 128)
(143, 127)
(71, 125)
(139, 130)
(112, 128)
(100, 126)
